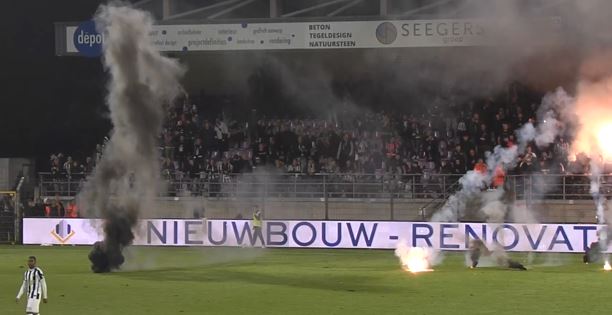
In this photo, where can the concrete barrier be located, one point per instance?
(550, 211)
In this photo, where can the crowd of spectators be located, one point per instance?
(52, 207)
(447, 137)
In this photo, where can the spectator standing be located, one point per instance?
(346, 151)
(257, 226)
(72, 210)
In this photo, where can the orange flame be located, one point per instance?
(607, 266)
(594, 108)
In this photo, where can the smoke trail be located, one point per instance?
(555, 118)
(595, 190)
(494, 209)
(473, 182)
(599, 200)
(124, 181)
(471, 185)
(556, 108)
(593, 103)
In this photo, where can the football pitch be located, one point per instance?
(301, 281)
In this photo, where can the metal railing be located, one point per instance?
(368, 186)
(411, 186)
(10, 214)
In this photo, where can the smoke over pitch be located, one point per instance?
(123, 184)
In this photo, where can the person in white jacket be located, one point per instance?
(34, 286)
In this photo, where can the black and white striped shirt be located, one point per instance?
(33, 284)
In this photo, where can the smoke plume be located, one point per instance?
(141, 82)
(554, 119)
(593, 106)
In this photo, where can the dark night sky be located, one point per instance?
(49, 103)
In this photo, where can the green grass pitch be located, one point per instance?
(300, 281)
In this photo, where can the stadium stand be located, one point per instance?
(429, 141)
(410, 155)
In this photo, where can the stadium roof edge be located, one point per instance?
(288, 19)
(274, 9)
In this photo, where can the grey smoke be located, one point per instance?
(471, 185)
(595, 190)
(522, 213)
(147, 258)
(125, 181)
(493, 208)
(307, 84)
(556, 117)
(421, 74)
(555, 107)
(525, 135)
(600, 204)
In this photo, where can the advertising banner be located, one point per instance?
(322, 234)
(84, 39)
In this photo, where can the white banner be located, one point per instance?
(85, 39)
(322, 234)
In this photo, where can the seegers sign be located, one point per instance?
(326, 234)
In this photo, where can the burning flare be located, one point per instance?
(594, 108)
(604, 139)
(607, 266)
(414, 259)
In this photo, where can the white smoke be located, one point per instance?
(493, 208)
(520, 213)
(555, 110)
(556, 116)
(600, 201)
(525, 135)
(595, 190)
(471, 185)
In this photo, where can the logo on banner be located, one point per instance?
(386, 33)
(87, 40)
(62, 232)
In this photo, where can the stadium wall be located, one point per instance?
(549, 211)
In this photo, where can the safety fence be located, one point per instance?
(366, 186)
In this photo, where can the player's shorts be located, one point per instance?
(33, 305)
